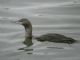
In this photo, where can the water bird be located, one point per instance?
(50, 37)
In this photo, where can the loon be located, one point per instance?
(50, 37)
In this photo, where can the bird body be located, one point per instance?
(57, 38)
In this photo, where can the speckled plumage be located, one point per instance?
(57, 38)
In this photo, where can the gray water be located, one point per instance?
(46, 16)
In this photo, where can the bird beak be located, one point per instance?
(18, 22)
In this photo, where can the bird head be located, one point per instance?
(24, 22)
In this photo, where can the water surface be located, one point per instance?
(53, 16)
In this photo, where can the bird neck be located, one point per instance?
(28, 35)
(28, 31)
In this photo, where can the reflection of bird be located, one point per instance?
(50, 37)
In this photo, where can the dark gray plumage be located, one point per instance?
(57, 38)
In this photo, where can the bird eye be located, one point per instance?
(20, 20)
